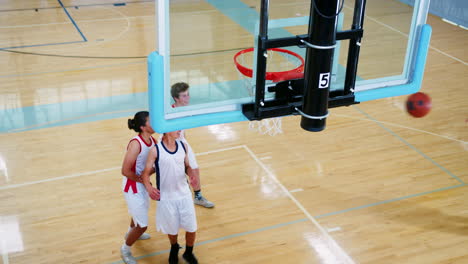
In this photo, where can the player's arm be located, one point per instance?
(153, 170)
(133, 150)
(153, 192)
(193, 179)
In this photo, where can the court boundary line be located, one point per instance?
(71, 6)
(263, 166)
(293, 222)
(409, 145)
(74, 175)
(371, 18)
(402, 126)
(73, 21)
(254, 231)
(406, 35)
(255, 158)
(58, 43)
(42, 45)
(331, 243)
(67, 23)
(389, 201)
(137, 61)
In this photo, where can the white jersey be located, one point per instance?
(139, 164)
(182, 136)
(170, 172)
(191, 156)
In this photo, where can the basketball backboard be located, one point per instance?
(391, 61)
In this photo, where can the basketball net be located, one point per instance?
(270, 126)
(288, 66)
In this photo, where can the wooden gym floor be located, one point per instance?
(377, 186)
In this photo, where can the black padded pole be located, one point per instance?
(354, 48)
(318, 65)
(261, 59)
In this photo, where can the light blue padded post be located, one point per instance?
(156, 104)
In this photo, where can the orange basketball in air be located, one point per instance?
(418, 104)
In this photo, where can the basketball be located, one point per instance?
(418, 104)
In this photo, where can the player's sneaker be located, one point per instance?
(174, 255)
(143, 236)
(203, 202)
(190, 258)
(127, 257)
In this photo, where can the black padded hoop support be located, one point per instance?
(310, 96)
(322, 34)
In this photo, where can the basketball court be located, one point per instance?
(375, 186)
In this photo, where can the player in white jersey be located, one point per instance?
(175, 208)
(180, 93)
(133, 189)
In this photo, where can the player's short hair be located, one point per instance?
(178, 88)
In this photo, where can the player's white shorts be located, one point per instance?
(171, 215)
(191, 156)
(138, 205)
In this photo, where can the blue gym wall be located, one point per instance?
(452, 10)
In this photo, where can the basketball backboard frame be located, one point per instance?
(165, 119)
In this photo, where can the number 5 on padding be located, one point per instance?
(324, 80)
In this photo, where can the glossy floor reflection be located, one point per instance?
(10, 235)
(377, 186)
